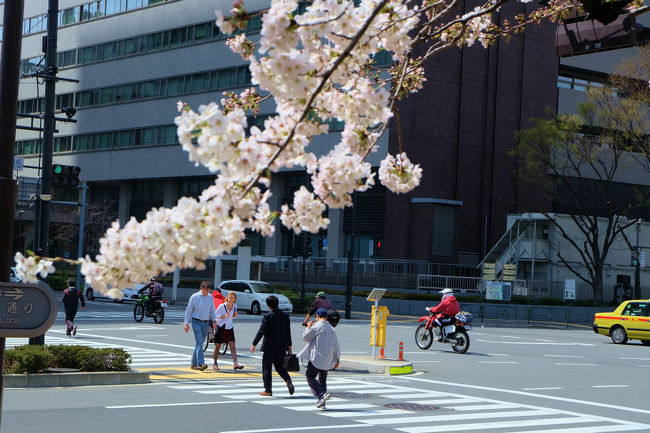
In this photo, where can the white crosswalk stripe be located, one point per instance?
(140, 357)
(83, 315)
(453, 412)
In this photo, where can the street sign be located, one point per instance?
(569, 290)
(19, 163)
(26, 310)
(489, 271)
(509, 272)
(642, 259)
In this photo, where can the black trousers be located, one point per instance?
(318, 387)
(269, 360)
(69, 315)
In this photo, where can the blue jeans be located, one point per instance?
(200, 330)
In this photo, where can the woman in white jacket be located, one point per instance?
(323, 354)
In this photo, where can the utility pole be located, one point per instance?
(350, 275)
(45, 196)
(637, 267)
(12, 27)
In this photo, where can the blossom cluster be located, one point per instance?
(318, 67)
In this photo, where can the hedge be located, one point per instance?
(38, 358)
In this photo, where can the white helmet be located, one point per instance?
(446, 292)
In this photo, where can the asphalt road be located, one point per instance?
(511, 379)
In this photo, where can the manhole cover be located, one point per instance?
(411, 406)
(349, 395)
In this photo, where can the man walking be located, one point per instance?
(323, 354)
(200, 310)
(71, 298)
(321, 301)
(276, 330)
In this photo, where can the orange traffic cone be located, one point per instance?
(381, 354)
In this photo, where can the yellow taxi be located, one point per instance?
(630, 321)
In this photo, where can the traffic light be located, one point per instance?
(320, 244)
(66, 176)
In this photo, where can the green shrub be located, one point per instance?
(35, 359)
(58, 282)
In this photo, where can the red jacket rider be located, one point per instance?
(447, 308)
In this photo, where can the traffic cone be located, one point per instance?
(401, 351)
(381, 354)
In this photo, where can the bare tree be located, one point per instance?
(575, 159)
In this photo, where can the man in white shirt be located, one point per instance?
(200, 310)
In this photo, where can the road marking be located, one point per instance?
(540, 343)
(610, 386)
(497, 354)
(637, 359)
(368, 412)
(319, 427)
(497, 424)
(490, 406)
(544, 340)
(339, 406)
(498, 362)
(529, 394)
(461, 417)
(542, 389)
(419, 362)
(565, 356)
(643, 366)
(509, 336)
(194, 403)
(597, 429)
(575, 363)
(453, 400)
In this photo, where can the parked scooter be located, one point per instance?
(454, 333)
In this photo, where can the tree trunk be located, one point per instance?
(598, 282)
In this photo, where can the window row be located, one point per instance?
(152, 136)
(156, 135)
(168, 39)
(221, 79)
(85, 12)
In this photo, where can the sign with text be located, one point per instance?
(509, 272)
(569, 290)
(497, 291)
(26, 310)
(489, 271)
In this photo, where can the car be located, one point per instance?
(13, 276)
(251, 295)
(630, 321)
(128, 294)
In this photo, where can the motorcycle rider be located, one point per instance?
(155, 292)
(446, 312)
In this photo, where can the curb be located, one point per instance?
(75, 379)
(377, 366)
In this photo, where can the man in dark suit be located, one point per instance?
(276, 330)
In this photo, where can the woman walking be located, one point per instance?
(225, 333)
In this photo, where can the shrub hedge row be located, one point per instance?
(37, 359)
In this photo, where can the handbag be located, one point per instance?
(291, 362)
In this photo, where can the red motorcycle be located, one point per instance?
(454, 333)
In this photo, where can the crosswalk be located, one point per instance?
(141, 357)
(118, 315)
(396, 406)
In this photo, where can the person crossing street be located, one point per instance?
(71, 298)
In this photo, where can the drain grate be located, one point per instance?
(350, 395)
(411, 406)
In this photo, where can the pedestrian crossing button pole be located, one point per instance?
(378, 320)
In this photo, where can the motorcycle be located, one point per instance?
(454, 333)
(156, 309)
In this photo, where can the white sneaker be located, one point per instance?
(321, 401)
(74, 330)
